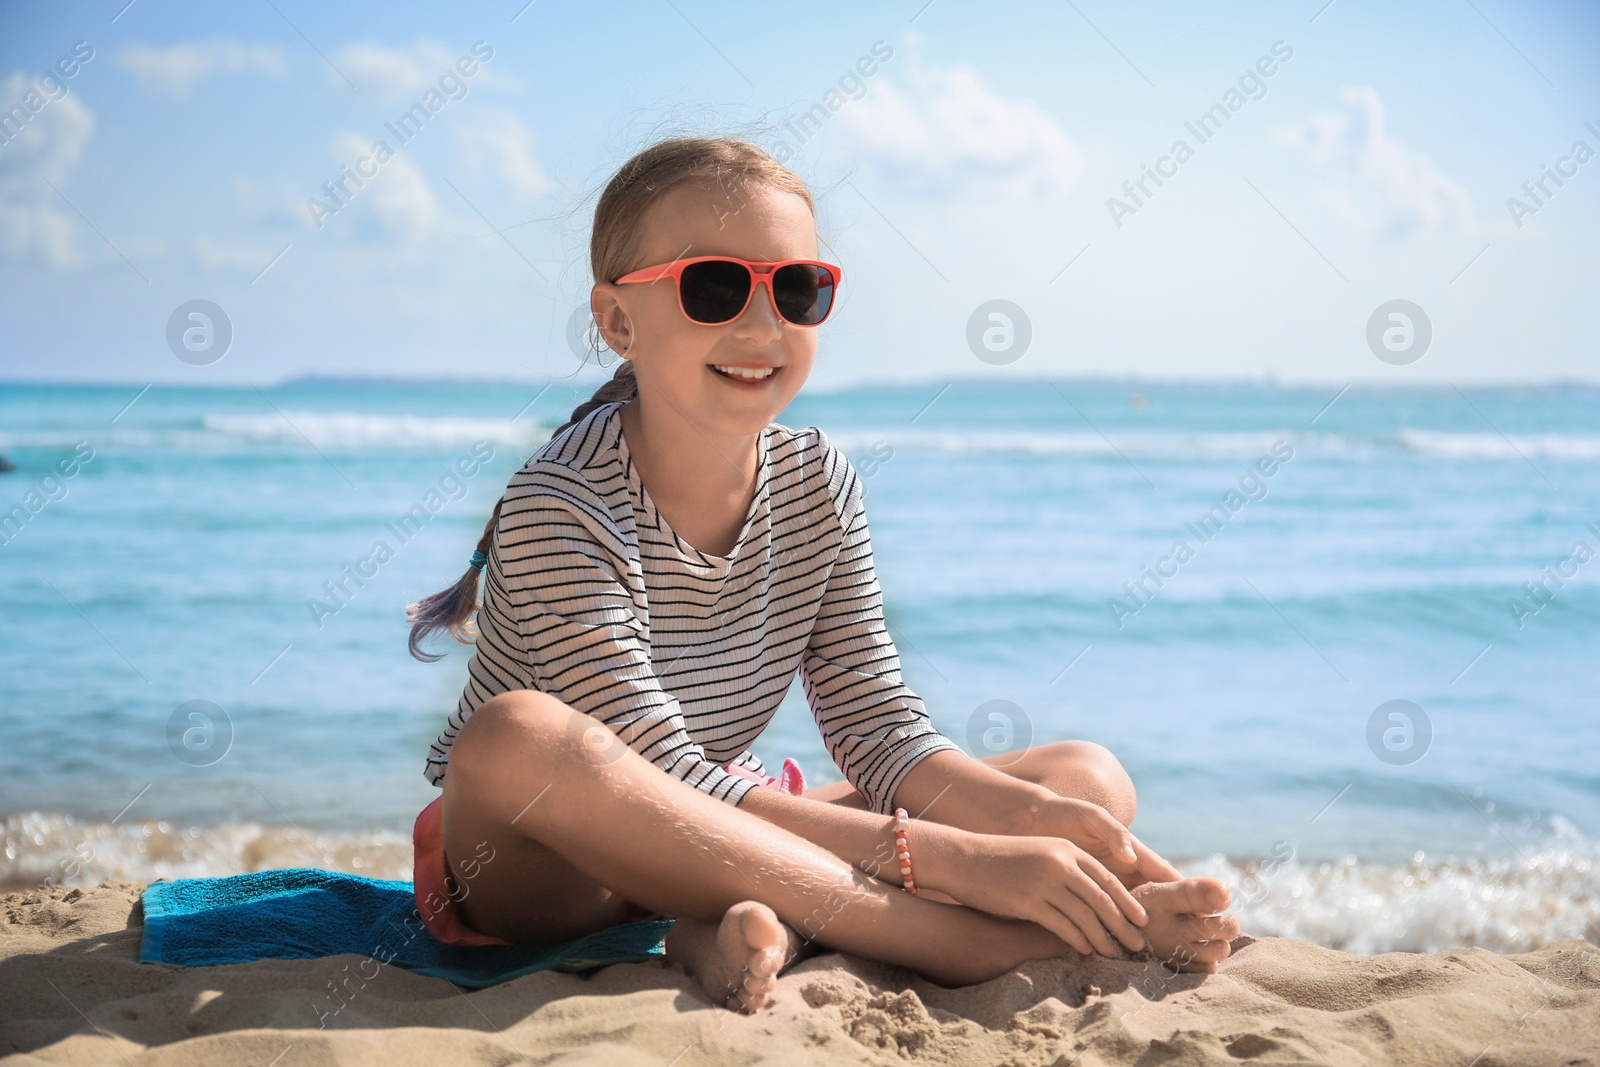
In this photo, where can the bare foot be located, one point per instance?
(1185, 929)
(737, 960)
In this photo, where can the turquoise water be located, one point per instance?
(1378, 562)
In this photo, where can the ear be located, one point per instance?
(616, 325)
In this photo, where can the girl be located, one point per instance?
(655, 575)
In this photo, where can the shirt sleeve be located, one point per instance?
(558, 617)
(875, 727)
(751, 762)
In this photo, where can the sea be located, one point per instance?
(1346, 641)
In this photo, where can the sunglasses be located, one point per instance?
(713, 290)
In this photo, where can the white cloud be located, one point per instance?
(402, 201)
(498, 141)
(1377, 182)
(949, 132)
(397, 73)
(284, 209)
(396, 202)
(178, 68)
(46, 143)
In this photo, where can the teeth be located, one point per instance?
(749, 374)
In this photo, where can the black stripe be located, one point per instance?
(591, 598)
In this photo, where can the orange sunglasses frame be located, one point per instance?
(674, 270)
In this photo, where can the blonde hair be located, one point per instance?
(613, 246)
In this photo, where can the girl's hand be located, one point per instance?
(1047, 880)
(1093, 829)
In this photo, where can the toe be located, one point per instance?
(760, 942)
(1209, 939)
(753, 994)
(1215, 927)
(1210, 896)
(1200, 896)
(760, 927)
(747, 1001)
(766, 963)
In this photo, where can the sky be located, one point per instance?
(1356, 154)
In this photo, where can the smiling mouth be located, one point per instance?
(744, 374)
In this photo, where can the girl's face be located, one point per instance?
(674, 357)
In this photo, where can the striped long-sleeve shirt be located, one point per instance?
(590, 596)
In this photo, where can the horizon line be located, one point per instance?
(1258, 381)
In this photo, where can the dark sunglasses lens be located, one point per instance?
(804, 293)
(714, 291)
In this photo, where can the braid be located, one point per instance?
(451, 609)
(622, 385)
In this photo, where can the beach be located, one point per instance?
(75, 993)
(1186, 412)
(1417, 890)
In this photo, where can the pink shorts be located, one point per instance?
(440, 906)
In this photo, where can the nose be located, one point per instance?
(762, 310)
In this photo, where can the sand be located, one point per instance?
(72, 991)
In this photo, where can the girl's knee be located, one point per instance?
(1091, 772)
(516, 742)
(520, 720)
(1112, 780)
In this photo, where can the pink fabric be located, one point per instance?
(431, 877)
(440, 910)
(789, 780)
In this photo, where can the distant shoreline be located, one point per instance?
(1265, 384)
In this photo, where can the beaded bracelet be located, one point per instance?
(902, 823)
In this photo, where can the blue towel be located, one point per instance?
(303, 912)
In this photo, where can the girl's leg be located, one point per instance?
(577, 830)
(1082, 770)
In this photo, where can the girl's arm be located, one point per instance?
(874, 726)
(880, 735)
(1046, 880)
(953, 788)
(878, 732)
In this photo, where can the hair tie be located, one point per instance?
(478, 560)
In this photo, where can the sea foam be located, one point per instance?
(1430, 904)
